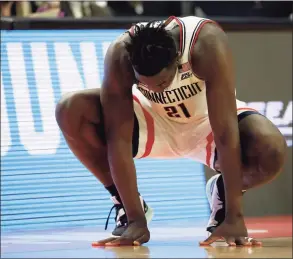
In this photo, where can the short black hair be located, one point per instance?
(152, 48)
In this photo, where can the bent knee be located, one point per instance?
(272, 155)
(62, 106)
(75, 109)
(65, 108)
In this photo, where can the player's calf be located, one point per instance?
(263, 151)
(77, 115)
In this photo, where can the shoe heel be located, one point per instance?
(210, 186)
(149, 214)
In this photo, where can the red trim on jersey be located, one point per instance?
(210, 139)
(150, 129)
(180, 32)
(193, 41)
(170, 19)
(247, 109)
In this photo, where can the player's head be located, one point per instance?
(153, 55)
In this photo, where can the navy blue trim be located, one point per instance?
(135, 137)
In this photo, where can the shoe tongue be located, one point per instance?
(115, 200)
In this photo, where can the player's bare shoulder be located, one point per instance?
(210, 46)
(117, 64)
(117, 50)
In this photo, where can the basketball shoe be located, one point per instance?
(121, 218)
(216, 196)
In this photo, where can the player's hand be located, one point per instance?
(136, 234)
(233, 232)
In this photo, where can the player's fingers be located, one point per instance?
(253, 241)
(143, 239)
(211, 239)
(103, 242)
(120, 242)
(242, 241)
(230, 241)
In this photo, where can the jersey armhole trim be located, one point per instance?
(182, 32)
(194, 38)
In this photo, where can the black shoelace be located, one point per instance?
(123, 218)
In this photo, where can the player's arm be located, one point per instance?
(212, 60)
(117, 103)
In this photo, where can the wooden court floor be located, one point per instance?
(169, 240)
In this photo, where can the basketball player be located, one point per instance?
(169, 92)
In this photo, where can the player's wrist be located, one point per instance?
(136, 215)
(234, 208)
(139, 222)
(234, 211)
(233, 216)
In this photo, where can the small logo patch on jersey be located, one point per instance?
(185, 76)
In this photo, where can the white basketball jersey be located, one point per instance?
(185, 99)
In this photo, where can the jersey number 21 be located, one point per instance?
(174, 111)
